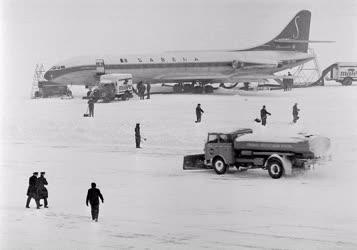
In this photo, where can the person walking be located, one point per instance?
(42, 191)
(148, 87)
(263, 115)
(91, 107)
(32, 191)
(93, 196)
(295, 113)
(199, 113)
(137, 135)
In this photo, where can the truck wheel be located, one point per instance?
(347, 81)
(275, 168)
(219, 165)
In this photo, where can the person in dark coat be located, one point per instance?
(285, 84)
(148, 87)
(137, 135)
(32, 191)
(263, 115)
(291, 81)
(199, 112)
(139, 88)
(91, 107)
(295, 113)
(93, 196)
(142, 94)
(41, 189)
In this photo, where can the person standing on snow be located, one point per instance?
(199, 112)
(41, 189)
(93, 196)
(295, 113)
(137, 135)
(291, 81)
(32, 191)
(263, 115)
(91, 107)
(148, 87)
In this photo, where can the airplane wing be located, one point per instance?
(218, 77)
(257, 77)
(188, 78)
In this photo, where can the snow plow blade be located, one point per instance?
(194, 162)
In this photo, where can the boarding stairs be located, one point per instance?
(37, 77)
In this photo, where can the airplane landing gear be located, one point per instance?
(208, 89)
(246, 85)
(178, 88)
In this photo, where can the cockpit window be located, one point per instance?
(58, 67)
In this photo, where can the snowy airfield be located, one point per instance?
(150, 202)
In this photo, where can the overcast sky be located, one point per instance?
(43, 31)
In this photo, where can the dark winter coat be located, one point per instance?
(137, 132)
(295, 110)
(32, 189)
(93, 196)
(199, 111)
(91, 104)
(264, 113)
(41, 189)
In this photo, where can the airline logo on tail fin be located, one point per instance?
(298, 29)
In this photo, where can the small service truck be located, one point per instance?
(343, 72)
(48, 89)
(245, 150)
(113, 86)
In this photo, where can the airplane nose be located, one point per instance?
(47, 75)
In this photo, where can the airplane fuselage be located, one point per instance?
(202, 66)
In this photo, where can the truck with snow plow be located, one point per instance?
(245, 150)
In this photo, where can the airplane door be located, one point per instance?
(100, 66)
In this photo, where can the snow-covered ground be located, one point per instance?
(150, 202)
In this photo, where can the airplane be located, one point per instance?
(199, 68)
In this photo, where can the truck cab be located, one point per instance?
(220, 146)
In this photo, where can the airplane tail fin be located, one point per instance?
(294, 37)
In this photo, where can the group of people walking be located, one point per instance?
(264, 114)
(37, 190)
